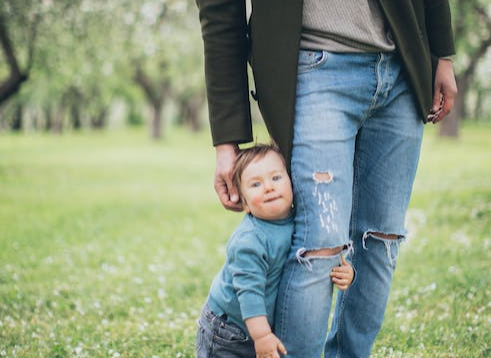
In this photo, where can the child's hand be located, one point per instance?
(269, 346)
(342, 276)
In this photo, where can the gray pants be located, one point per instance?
(217, 338)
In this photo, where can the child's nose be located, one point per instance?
(268, 186)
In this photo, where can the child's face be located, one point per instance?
(266, 189)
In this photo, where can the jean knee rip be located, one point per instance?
(327, 204)
(375, 234)
(306, 260)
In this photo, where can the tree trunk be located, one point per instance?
(449, 127)
(156, 126)
(193, 108)
(156, 93)
(75, 116)
(48, 118)
(478, 110)
(17, 119)
(57, 122)
(98, 121)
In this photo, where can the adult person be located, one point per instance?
(344, 89)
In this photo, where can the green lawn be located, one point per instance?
(108, 244)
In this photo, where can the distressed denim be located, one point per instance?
(357, 138)
(218, 338)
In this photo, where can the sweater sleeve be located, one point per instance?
(224, 31)
(439, 28)
(249, 266)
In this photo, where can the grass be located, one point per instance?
(108, 244)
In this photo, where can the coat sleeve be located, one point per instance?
(224, 31)
(439, 28)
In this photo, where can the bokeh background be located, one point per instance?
(110, 230)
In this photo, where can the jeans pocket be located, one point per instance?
(230, 333)
(311, 59)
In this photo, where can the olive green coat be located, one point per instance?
(421, 30)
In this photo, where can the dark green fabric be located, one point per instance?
(421, 30)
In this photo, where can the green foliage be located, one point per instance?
(86, 53)
(108, 245)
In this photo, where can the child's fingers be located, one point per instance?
(342, 279)
(341, 282)
(341, 270)
(342, 274)
(344, 262)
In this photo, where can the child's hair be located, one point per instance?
(248, 155)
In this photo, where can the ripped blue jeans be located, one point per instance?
(357, 138)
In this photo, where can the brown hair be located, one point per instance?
(247, 156)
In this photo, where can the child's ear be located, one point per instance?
(245, 206)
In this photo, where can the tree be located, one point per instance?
(472, 28)
(164, 48)
(11, 12)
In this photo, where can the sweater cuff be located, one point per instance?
(252, 305)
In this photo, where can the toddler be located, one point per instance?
(237, 318)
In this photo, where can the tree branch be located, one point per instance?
(481, 51)
(483, 15)
(8, 48)
(32, 41)
(12, 85)
(483, 46)
(146, 84)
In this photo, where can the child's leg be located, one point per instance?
(217, 338)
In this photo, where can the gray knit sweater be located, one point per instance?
(344, 26)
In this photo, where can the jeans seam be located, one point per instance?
(302, 199)
(353, 255)
(286, 305)
(377, 90)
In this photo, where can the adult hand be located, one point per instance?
(445, 91)
(227, 193)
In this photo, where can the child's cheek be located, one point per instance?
(256, 200)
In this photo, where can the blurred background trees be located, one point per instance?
(93, 64)
(72, 64)
(472, 29)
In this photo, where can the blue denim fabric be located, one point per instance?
(357, 138)
(218, 338)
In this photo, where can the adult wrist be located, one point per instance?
(227, 148)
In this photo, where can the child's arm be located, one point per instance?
(266, 343)
(342, 276)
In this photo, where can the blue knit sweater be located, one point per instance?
(247, 284)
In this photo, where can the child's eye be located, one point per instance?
(277, 177)
(256, 184)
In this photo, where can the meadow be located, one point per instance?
(109, 242)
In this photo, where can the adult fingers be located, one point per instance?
(448, 103)
(227, 193)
